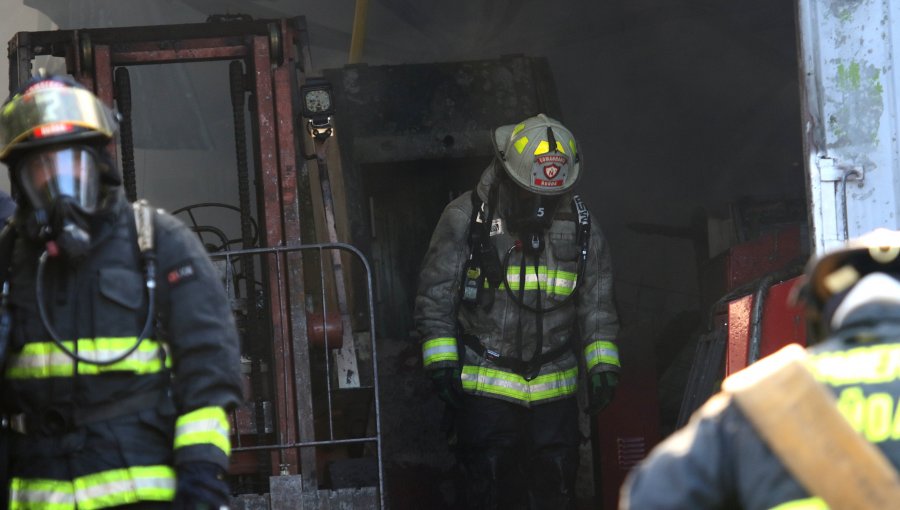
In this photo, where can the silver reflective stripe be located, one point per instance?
(553, 282)
(45, 359)
(105, 489)
(601, 352)
(513, 386)
(204, 426)
(126, 485)
(439, 349)
(50, 494)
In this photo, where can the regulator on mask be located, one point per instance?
(528, 215)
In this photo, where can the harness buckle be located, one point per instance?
(491, 355)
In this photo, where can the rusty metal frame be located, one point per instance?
(282, 262)
(269, 50)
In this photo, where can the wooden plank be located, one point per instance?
(798, 417)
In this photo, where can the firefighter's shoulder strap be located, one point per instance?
(798, 418)
(482, 255)
(144, 215)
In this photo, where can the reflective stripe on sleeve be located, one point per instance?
(439, 349)
(599, 352)
(41, 360)
(803, 504)
(207, 425)
(105, 489)
(514, 386)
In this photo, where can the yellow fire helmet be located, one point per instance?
(53, 110)
(539, 154)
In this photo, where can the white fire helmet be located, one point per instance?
(539, 154)
(836, 273)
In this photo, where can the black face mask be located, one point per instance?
(62, 227)
(62, 187)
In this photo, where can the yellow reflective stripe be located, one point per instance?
(861, 365)
(518, 128)
(124, 486)
(439, 349)
(207, 425)
(39, 360)
(514, 386)
(27, 494)
(601, 352)
(551, 281)
(105, 489)
(521, 143)
(544, 147)
(572, 146)
(803, 504)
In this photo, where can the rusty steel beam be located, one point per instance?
(287, 166)
(103, 84)
(274, 235)
(167, 52)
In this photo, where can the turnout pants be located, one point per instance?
(515, 457)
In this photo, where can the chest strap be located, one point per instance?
(63, 419)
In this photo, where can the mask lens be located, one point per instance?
(65, 172)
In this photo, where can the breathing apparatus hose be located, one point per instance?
(150, 285)
(521, 302)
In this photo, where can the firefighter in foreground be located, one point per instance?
(720, 459)
(116, 380)
(515, 286)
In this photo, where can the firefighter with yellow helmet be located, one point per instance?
(515, 287)
(720, 460)
(121, 350)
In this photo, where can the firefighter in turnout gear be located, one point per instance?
(515, 287)
(116, 380)
(719, 460)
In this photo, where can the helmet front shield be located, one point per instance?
(45, 114)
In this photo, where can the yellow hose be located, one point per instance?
(359, 31)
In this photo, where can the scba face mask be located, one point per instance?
(63, 187)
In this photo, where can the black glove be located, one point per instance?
(201, 486)
(601, 391)
(448, 385)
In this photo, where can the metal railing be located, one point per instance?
(279, 289)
